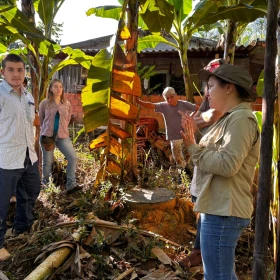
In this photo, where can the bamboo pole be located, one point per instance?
(54, 260)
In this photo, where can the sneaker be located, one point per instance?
(13, 200)
(4, 254)
(77, 188)
(192, 259)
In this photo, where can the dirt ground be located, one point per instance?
(115, 242)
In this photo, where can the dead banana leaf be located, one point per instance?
(100, 141)
(120, 109)
(100, 176)
(120, 57)
(109, 235)
(127, 82)
(53, 246)
(119, 132)
(162, 273)
(115, 147)
(161, 255)
(113, 168)
(91, 237)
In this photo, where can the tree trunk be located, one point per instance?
(131, 54)
(277, 241)
(183, 53)
(28, 9)
(263, 200)
(230, 41)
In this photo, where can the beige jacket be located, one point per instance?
(226, 157)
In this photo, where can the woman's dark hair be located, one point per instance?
(242, 93)
(50, 95)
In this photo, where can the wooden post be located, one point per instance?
(264, 190)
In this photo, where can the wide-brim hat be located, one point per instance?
(232, 74)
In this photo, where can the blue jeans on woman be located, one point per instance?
(218, 240)
(66, 147)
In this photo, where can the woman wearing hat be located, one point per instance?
(55, 115)
(225, 157)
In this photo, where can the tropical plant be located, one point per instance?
(39, 48)
(21, 26)
(254, 32)
(57, 30)
(111, 85)
(179, 20)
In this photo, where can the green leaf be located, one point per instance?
(96, 95)
(3, 48)
(157, 15)
(238, 13)
(182, 13)
(19, 22)
(44, 8)
(151, 41)
(258, 115)
(112, 12)
(208, 27)
(260, 84)
(200, 12)
(78, 56)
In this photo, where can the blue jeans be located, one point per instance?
(67, 149)
(198, 226)
(218, 240)
(27, 182)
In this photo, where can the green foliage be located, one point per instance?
(260, 84)
(238, 13)
(254, 31)
(98, 82)
(157, 14)
(57, 30)
(113, 12)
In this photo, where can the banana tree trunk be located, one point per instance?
(230, 41)
(186, 77)
(28, 9)
(264, 190)
(131, 54)
(183, 53)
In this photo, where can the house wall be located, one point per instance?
(77, 111)
(170, 63)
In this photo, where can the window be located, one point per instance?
(159, 81)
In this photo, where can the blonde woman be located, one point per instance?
(55, 115)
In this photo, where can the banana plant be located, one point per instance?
(38, 48)
(16, 23)
(178, 19)
(112, 84)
